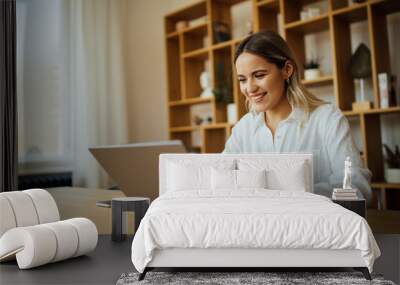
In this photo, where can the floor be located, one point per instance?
(110, 260)
(389, 262)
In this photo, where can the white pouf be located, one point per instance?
(23, 209)
(45, 205)
(31, 232)
(7, 219)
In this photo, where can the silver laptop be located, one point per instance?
(134, 167)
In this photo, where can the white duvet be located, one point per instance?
(250, 219)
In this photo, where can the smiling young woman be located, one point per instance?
(285, 117)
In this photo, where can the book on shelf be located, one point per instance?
(345, 198)
(383, 84)
(344, 194)
(341, 190)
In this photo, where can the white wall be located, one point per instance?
(146, 68)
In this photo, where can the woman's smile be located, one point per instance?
(257, 98)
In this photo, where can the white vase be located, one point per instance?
(232, 113)
(313, 73)
(392, 175)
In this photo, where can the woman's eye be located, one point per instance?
(241, 80)
(258, 76)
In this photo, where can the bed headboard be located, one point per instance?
(209, 158)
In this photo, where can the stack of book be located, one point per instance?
(344, 194)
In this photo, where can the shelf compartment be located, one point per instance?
(388, 193)
(223, 85)
(214, 139)
(381, 61)
(223, 45)
(385, 185)
(191, 101)
(386, 7)
(266, 14)
(179, 116)
(201, 115)
(373, 111)
(344, 4)
(293, 8)
(300, 32)
(185, 137)
(237, 41)
(269, 4)
(239, 98)
(173, 35)
(303, 52)
(194, 63)
(311, 26)
(341, 33)
(351, 113)
(196, 29)
(338, 4)
(189, 13)
(201, 53)
(183, 129)
(216, 126)
(195, 38)
(389, 6)
(223, 11)
(323, 80)
(372, 142)
(383, 110)
(352, 14)
(174, 69)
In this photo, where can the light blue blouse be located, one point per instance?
(326, 134)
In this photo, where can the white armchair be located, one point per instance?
(31, 230)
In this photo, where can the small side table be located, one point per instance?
(138, 205)
(357, 206)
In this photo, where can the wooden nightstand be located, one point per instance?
(357, 206)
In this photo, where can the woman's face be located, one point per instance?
(263, 83)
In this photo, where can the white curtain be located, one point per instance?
(96, 84)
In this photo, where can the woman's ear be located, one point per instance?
(287, 70)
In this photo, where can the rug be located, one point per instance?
(269, 278)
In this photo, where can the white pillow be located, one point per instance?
(289, 175)
(187, 177)
(223, 179)
(235, 179)
(293, 178)
(251, 178)
(193, 175)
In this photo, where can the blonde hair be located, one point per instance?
(272, 47)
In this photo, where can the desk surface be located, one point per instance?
(75, 202)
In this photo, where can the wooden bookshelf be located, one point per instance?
(323, 80)
(188, 49)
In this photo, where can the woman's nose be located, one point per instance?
(251, 86)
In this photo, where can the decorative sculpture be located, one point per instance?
(205, 83)
(347, 174)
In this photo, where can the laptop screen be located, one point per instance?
(134, 167)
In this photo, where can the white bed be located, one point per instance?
(248, 227)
